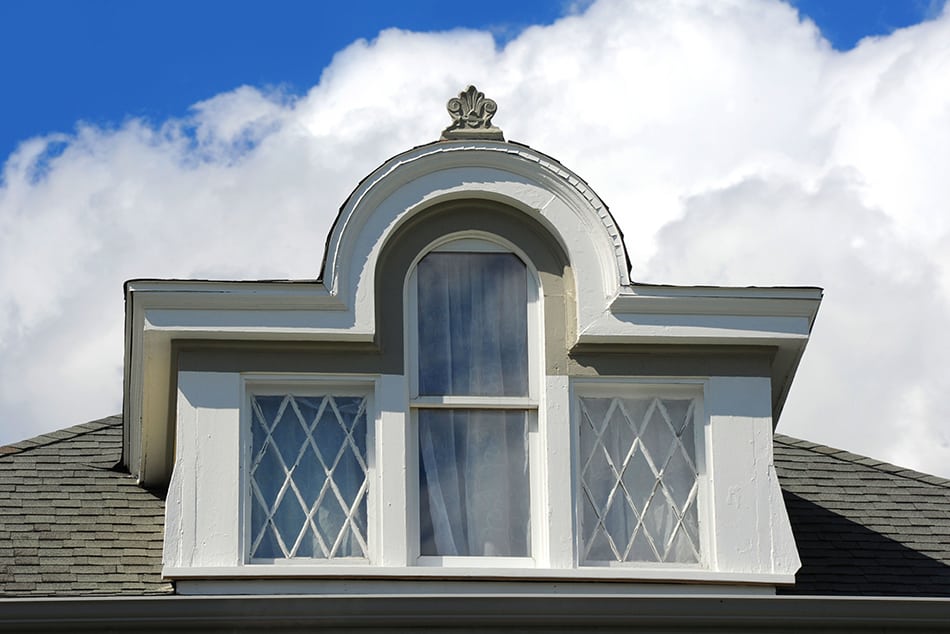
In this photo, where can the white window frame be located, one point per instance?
(477, 242)
(303, 385)
(620, 387)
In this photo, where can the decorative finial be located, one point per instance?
(471, 114)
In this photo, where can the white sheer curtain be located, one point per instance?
(474, 482)
(473, 325)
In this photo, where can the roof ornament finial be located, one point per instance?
(471, 114)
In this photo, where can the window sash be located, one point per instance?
(473, 402)
(333, 488)
(472, 324)
(474, 483)
(660, 523)
(475, 243)
(523, 400)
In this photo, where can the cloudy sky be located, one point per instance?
(737, 142)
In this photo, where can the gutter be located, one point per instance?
(481, 611)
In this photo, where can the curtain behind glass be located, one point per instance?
(473, 464)
(473, 325)
(474, 483)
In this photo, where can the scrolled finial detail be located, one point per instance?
(471, 114)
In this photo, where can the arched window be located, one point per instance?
(474, 398)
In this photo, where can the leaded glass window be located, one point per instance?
(308, 477)
(638, 480)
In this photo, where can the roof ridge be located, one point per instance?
(60, 435)
(865, 461)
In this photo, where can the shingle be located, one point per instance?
(69, 517)
(862, 526)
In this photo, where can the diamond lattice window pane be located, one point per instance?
(308, 477)
(638, 480)
(659, 520)
(691, 523)
(642, 548)
(679, 477)
(657, 436)
(619, 523)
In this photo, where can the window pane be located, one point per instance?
(308, 477)
(638, 480)
(473, 324)
(474, 483)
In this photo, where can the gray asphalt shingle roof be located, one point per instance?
(862, 526)
(73, 524)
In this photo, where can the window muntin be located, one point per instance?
(473, 406)
(308, 476)
(638, 478)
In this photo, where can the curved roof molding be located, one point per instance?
(508, 173)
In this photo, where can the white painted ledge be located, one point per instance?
(665, 575)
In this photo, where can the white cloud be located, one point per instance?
(732, 143)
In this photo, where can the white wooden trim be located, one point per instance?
(160, 311)
(673, 575)
(514, 175)
(556, 474)
(739, 463)
(474, 402)
(476, 562)
(397, 494)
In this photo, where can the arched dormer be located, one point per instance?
(474, 391)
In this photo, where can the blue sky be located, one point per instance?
(101, 61)
(735, 144)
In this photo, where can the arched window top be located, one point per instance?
(472, 324)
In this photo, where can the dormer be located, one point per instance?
(473, 390)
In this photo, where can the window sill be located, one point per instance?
(666, 575)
